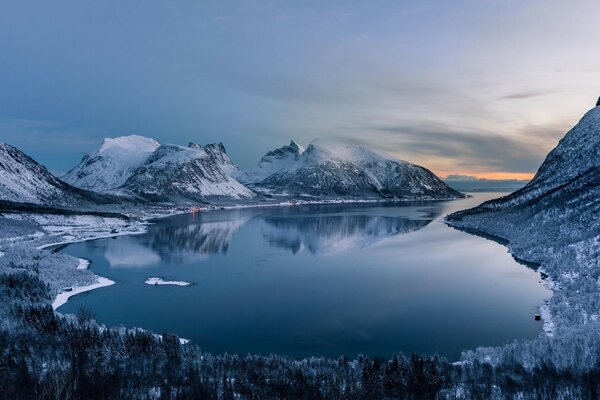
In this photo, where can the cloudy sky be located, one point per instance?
(482, 87)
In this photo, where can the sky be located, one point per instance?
(483, 88)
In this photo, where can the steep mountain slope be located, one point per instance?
(333, 169)
(217, 152)
(23, 180)
(112, 164)
(184, 174)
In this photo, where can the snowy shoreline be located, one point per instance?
(64, 296)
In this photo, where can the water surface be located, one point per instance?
(317, 280)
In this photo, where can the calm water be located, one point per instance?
(317, 280)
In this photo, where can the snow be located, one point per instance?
(159, 281)
(24, 180)
(62, 297)
(131, 143)
(112, 164)
(145, 167)
(275, 162)
(83, 263)
(185, 172)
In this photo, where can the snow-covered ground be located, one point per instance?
(63, 296)
(154, 280)
(25, 240)
(83, 263)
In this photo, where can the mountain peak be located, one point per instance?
(294, 145)
(132, 143)
(112, 163)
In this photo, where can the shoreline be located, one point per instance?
(64, 296)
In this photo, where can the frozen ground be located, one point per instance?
(160, 281)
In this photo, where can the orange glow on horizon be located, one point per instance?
(493, 175)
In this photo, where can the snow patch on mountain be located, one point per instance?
(112, 164)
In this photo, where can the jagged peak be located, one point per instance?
(220, 147)
(213, 147)
(294, 145)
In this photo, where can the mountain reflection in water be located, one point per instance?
(319, 230)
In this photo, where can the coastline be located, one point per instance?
(64, 296)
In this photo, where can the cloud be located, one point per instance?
(467, 150)
(526, 94)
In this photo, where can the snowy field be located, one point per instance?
(26, 240)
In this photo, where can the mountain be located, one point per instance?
(23, 180)
(142, 167)
(331, 169)
(112, 164)
(185, 175)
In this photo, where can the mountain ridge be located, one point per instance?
(332, 169)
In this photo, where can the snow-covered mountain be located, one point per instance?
(332, 169)
(112, 164)
(23, 180)
(185, 175)
(142, 167)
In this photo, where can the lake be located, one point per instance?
(324, 280)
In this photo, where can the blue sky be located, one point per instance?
(470, 87)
